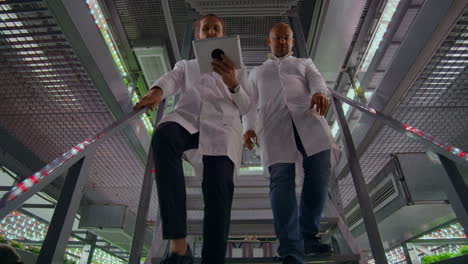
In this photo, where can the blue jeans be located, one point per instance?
(295, 225)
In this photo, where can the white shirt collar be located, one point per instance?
(272, 56)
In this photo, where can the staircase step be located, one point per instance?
(259, 227)
(338, 259)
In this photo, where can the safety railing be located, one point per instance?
(77, 161)
(447, 154)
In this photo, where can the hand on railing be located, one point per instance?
(320, 102)
(150, 100)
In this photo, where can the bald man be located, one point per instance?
(289, 101)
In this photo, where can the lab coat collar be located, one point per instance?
(272, 57)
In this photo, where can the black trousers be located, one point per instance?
(169, 142)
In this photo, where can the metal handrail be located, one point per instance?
(448, 155)
(31, 185)
(429, 141)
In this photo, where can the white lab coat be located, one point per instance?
(282, 90)
(207, 106)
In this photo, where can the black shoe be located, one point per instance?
(291, 260)
(316, 248)
(174, 258)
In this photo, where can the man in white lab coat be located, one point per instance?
(207, 118)
(289, 99)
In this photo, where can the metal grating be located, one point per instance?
(243, 8)
(49, 103)
(146, 19)
(253, 32)
(436, 103)
(305, 10)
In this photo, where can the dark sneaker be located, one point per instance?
(317, 249)
(173, 258)
(291, 260)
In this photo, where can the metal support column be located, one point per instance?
(53, 249)
(186, 53)
(457, 191)
(365, 205)
(88, 250)
(92, 239)
(299, 39)
(145, 199)
(170, 29)
(412, 253)
(344, 231)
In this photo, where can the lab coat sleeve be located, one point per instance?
(242, 97)
(172, 82)
(315, 81)
(249, 120)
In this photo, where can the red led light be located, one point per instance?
(153, 171)
(462, 154)
(33, 179)
(405, 126)
(77, 149)
(22, 187)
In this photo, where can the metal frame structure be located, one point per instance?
(362, 193)
(76, 163)
(77, 160)
(446, 152)
(144, 203)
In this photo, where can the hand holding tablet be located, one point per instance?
(207, 49)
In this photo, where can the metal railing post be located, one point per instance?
(145, 199)
(60, 228)
(366, 209)
(457, 191)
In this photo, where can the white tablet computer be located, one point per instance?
(207, 49)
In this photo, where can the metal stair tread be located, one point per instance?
(255, 226)
(337, 259)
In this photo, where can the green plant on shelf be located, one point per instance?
(464, 250)
(32, 249)
(17, 245)
(437, 258)
(3, 240)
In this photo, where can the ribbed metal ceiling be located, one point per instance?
(142, 19)
(49, 103)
